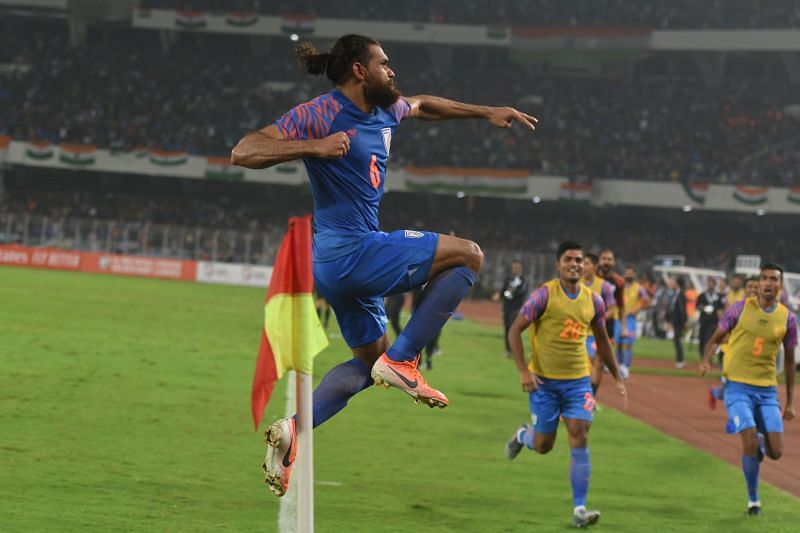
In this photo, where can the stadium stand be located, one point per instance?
(661, 118)
(202, 92)
(675, 14)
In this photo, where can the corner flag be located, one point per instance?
(292, 334)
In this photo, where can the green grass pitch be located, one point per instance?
(124, 406)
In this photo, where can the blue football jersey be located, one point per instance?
(347, 192)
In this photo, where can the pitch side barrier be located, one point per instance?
(697, 276)
(136, 266)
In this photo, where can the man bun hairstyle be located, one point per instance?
(336, 64)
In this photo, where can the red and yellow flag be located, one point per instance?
(292, 334)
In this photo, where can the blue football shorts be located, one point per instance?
(385, 263)
(750, 406)
(570, 398)
(631, 325)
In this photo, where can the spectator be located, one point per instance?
(512, 293)
(711, 306)
(678, 317)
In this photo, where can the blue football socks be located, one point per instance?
(580, 469)
(627, 355)
(525, 436)
(439, 299)
(750, 468)
(341, 383)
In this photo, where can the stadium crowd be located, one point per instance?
(123, 91)
(675, 14)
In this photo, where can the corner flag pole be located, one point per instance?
(305, 454)
(290, 339)
(296, 511)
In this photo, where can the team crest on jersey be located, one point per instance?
(411, 234)
(387, 138)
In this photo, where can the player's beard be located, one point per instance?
(381, 95)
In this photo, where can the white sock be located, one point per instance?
(579, 508)
(754, 504)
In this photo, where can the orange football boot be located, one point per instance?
(405, 376)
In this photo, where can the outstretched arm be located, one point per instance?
(267, 147)
(427, 107)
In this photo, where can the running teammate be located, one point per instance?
(636, 299)
(736, 292)
(344, 138)
(606, 292)
(718, 392)
(614, 325)
(557, 379)
(758, 326)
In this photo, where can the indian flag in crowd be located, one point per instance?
(794, 195)
(168, 159)
(39, 150)
(190, 20)
(697, 191)
(298, 23)
(292, 335)
(575, 192)
(241, 19)
(220, 168)
(751, 195)
(464, 181)
(77, 154)
(580, 38)
(5, 141)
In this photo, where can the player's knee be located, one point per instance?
(542, 447)
(474, 257)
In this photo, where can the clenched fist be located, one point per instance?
(333, 146)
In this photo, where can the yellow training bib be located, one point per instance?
(558, 336)
(733, 297)
(631, 296)
(754, 343)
